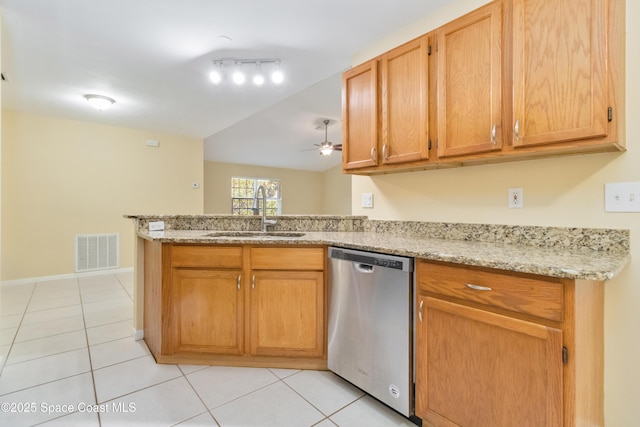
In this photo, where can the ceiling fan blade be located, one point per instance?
(337, 147)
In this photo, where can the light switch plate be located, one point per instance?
(622, 197)
(516, 198)
(367, 200)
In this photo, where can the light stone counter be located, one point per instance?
(574, 253)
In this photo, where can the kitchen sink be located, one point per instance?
(254, 234)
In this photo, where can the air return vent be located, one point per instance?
(97, 252)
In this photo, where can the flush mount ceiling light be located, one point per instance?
(100, 102)
(234, 71)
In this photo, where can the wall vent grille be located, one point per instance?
(97, 252)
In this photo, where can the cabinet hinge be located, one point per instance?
(610, 114)
(565, 355)
(429, 50)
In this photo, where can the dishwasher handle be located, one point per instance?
(363, 268)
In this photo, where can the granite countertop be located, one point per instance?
(572, 263)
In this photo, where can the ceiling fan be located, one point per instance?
(326, 147)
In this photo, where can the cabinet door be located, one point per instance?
(360, 116)
(477, 368)
(207, 313)
(287, 313)
(469, 63)
(559, 71)
(405, 115)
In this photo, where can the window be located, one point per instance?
(243, 191)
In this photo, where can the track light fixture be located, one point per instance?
(234, 70)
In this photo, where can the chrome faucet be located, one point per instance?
(256, 208)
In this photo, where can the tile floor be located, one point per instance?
(70, 360)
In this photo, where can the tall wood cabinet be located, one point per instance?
(497, 348)
(469, 82)
(239, 305)
(405, 103)
(360, 116)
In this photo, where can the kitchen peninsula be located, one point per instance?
(533, 294)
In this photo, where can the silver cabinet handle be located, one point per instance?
(493, 134)
(373, 154)
(517, 130)
(420, 311)
(253, 282)
(239, 277)
(477, 288)
(384, 152)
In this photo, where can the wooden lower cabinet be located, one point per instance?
(237, 305)
(483, 360)
(287, 313)
(207, 311)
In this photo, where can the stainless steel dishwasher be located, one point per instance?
(371, 324)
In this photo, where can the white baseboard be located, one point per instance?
(138, 334)
(66, 276)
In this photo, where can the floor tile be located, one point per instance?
(325, 423)
(110, 332)
(76, 419)
(108, 311)
(103, 295)
(33, 349)
(217, 385)
(44, 304)
(274, 405)
(52, 314)
(57, 289)
(187, 369)
(283, 373)
(367, 412)
(165, 404)
(50, 328)
(117, 351)
(324, 389)
(132, 375)
(77, 390)
(10, 321)
(7, 335)
(44, 369)
(202, 420)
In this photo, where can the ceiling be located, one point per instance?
(154, 57)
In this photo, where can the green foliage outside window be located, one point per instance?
(243, 191)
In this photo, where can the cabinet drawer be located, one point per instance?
(206, 256)
(287, 258)
(523, 294)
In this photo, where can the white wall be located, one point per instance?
(565, 191)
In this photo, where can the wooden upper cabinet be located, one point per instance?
(360, 116)
(404, 102)
(559, 71)
(469, 79)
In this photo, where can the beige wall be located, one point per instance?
(303, 192)
(566, 191)
(337, 192)
(62, 177)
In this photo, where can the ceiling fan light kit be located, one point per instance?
(326, 147)
(234, 70)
